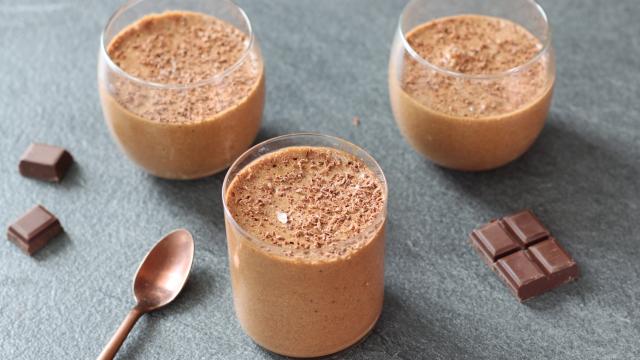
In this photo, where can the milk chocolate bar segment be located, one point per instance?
(45, 162)
(34, 229)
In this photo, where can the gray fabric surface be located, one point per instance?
(326, 62)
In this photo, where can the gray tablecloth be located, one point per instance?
(326, 63)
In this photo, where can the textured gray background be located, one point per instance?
(326, 62)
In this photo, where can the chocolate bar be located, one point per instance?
(524, 254)
(45, 162)
(34, 229)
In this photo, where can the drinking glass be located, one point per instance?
(503, 112)
(305, 306)
(206, 131)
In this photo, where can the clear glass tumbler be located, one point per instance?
(182, 130)
(305, 306)
(470, 121)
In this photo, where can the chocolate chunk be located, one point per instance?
(523, 276)
(555, 261)
(526, 227)
(523, 253)
(494, 241)
(45, 162)
(34, 229)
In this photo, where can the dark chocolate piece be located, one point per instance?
(555, 261)
(45, 162)
(523, 276)
(526, 227)
(494, 241)
(523, 253)
(34, 229)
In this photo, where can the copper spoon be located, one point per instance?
(159, 279)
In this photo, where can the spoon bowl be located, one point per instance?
(164, 270)
(159, 279)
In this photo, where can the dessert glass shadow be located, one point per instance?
(471, 81)
(305, 218)
(181, 85)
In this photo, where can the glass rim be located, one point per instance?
(215, 78)
(514, 70)
(377, 223)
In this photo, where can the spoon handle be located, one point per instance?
(117, 339)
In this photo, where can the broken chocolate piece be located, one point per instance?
(34, 229)
(523, 253)
(45, 162)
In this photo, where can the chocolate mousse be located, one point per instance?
(473, 92)
(305, 233)
(187, 95)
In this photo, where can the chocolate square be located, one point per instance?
(523, 276)
(493, 241)
(45, 162)
(554, 260)
(526, 227)
(34, 229)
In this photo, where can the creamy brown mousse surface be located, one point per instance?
(467, 123)
(307, 270)
(195, 125)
